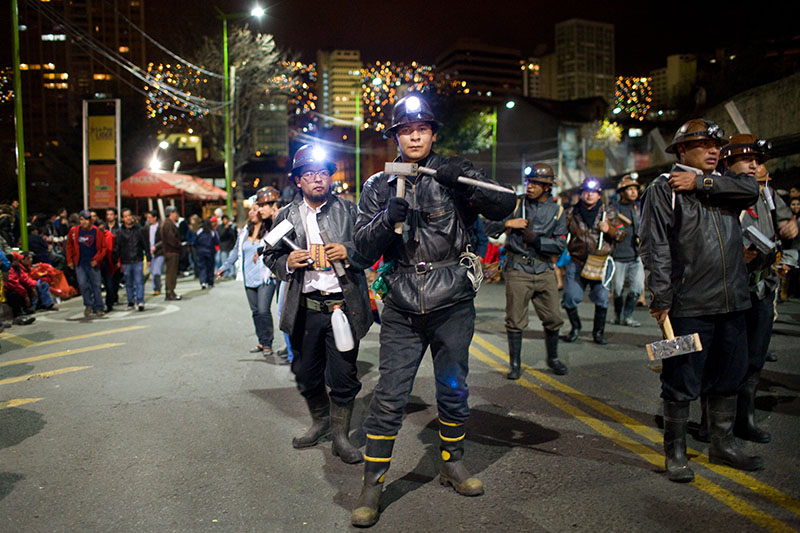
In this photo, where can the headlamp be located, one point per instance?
(319, 154)
(413, 104)
(528, 170)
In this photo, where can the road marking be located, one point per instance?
(60, 354)
(42, 375)
(151, 310)
(20, 341)
(16, 403)
(88, 335)
(737, 504)
(781, 498)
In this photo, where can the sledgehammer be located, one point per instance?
(279, 233)
(672, 345)
(413, 169)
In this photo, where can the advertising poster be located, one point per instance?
(102, 186)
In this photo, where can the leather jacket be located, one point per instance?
(427, 275)
(130, 245)
(627, 249)
(336, 217)
(534, 249)
(692, 253)
(584, 240)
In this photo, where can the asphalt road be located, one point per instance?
(162, 421)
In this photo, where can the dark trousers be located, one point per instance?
(718, 369)
(404, 338)
(205, 268)
(171, 265)
(260, 299)
(317, 362)
(759, 320)
(111, 282)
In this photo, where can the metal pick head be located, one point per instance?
(401, 169)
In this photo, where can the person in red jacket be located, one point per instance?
(20, 288)
(85, 252)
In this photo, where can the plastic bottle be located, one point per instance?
(342, 335)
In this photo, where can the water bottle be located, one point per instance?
(342, 335)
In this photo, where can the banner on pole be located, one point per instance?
(102, 142)
(102, 186)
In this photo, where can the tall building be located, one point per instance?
(539, 77)
(64, 46)
(673, 82)
(489, 72)
(659, 85)
(339, 80)
(270, 126)
(585, 59)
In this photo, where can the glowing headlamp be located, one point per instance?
(413, 104)
(319, 154)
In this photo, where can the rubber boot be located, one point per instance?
(599, 325)
(319, 407)
(723, 449)
(514, 350)
(676, 420)
(340, 434)
(453, 472)
(377, 456)
(627, 311)
(551, 346)
(702, 431)
(746, 427)
(575, 322)
(618, 309)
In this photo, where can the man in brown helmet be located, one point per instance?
(691, 246)
(536, 233)
(745, 154)
(627, 263)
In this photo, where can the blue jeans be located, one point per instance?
(89, 280)
(260, 299)
(575, 286)
(134, 282)
(632, 273)
(156, 270)
(222, 256)
(44, 299)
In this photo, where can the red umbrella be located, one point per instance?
(153, 184)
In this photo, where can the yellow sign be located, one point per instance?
(596, 162)
(102, 131)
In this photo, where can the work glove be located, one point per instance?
(447, 175)
(396, 210)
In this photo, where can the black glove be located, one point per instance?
(396, 209)
(447, 175)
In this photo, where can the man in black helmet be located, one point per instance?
(314, 291)
(691, 248)
(536, 234)
(430, 295)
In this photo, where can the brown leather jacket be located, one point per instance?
(584, 240)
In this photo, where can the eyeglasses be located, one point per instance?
(310, 175)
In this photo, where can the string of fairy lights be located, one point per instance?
(633, 96)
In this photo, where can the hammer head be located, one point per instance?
(401, 169)
(278, 232)
(675, 346)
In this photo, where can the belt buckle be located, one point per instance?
(422, 268)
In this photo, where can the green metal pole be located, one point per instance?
(358, 143)
(494, 142)
(227, 104)
(23, 201)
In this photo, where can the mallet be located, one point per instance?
(279, 233)
(672, 345)
(413, 169)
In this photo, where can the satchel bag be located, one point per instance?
(595, 268)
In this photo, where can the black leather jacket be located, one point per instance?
(435, 231)
(533, 251)
(692, 254)
(130, 245)
(336, 217)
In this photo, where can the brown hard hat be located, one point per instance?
(540, 172)
(695, 130)
(627, 181)
(267, 195)
(746, 143)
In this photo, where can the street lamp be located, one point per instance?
(257, 12)
(509, 105)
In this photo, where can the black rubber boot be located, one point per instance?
(453, 472)
(676, 420)
(618, 311)
(702, 431)
(627, 311)
(377, 457)
(319, 407)
(340, 431)
(723, 449)
(599, 327)
(551, 346)
(746, 427)
(575, 323)
(514, 350)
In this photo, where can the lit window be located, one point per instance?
(54, 37)
(124, 49)
(102, 76)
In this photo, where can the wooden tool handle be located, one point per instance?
(401, 192)
(666, 327)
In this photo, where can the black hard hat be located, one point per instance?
(411, 108)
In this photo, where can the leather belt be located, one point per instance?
(322, 306)
(424, 267)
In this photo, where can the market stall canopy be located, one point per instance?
(154, 184)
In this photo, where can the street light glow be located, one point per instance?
(258, 11)
(510, 104)
(155, 164)
(163, 145)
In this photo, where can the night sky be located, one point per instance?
(646, 32)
